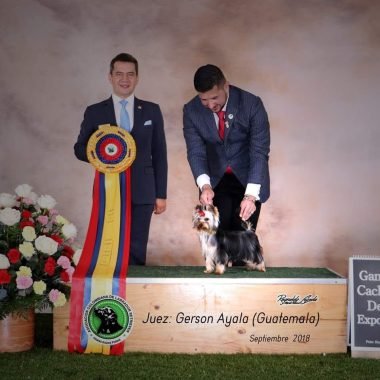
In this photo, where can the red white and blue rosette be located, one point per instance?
(111, 149)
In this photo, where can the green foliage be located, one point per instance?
(20, 305)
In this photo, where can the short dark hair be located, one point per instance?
(124, 57)
(207, 76)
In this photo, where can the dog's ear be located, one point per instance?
(216, 211)
(216, 216)
(213, 209)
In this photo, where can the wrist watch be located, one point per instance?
(204, 186)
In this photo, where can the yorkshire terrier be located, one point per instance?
(221, 248)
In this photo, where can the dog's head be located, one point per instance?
(106, 314)
(206, 218)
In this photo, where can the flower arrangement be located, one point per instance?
(37, 258)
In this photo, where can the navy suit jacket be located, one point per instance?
(149, 171)
(245, 147)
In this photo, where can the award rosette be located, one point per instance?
(111, 149)
(100, 318)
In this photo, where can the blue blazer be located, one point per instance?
(149, 171)
(245, 147)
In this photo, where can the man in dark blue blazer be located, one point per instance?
(150, 168)
(226, 130)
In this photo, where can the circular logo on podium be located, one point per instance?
(108, 319)
(111, 149)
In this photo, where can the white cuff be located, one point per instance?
(202, 180)
(253, 189)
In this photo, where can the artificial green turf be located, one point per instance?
(233, 272)
(43, 363)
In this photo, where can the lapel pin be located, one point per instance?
(230, 116)
(139, 107)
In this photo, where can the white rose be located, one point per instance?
(4, 262)
(29, 233)
(69, 230)
(7, 200)
(46, 245)
(9, 216)
(46, 201)
(27, 249)
(23, 190)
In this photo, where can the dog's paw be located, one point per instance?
(261, 267)
(220, 268)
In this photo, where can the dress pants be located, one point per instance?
(228, 195)
(141, 217)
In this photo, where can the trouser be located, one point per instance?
(228, 195)
(140, 224)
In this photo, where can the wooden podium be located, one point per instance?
(183, 310)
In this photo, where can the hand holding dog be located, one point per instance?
(247, 207)
(207, 195)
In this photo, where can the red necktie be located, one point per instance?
(221, 123)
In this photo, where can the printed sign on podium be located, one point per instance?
(364, 306)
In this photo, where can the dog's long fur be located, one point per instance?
(219, 247)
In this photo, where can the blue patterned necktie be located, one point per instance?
(124, 117)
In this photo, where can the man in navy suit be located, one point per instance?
(150, 168)
(226, 130)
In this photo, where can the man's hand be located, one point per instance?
(159, 206)
(207, 195)
(247, 207)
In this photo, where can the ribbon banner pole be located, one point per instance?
(100, 317)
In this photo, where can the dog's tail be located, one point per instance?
(247, 225)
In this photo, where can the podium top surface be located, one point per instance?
(233, 274)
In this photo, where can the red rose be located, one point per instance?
(65, 276)
(26, 214)
(5, 277)
(68, 251)
(50, 266)
(25, 223)
(14, 255)
(56, 238)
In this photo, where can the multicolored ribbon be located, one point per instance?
(102, 268)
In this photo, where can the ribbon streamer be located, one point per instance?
(103, 265)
